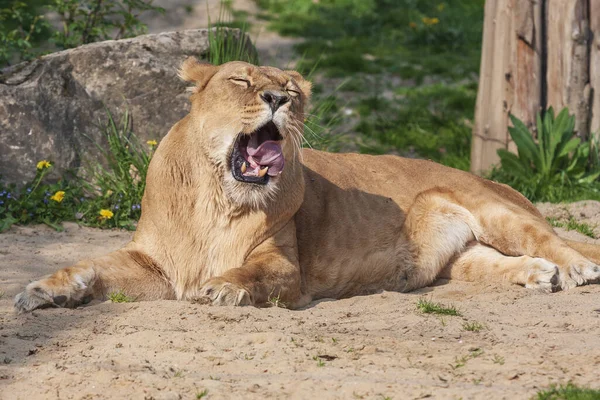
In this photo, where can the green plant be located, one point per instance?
(572, 225)
(568, 392)
(319, 360)
(202, 394)
(23, 25)
(226, 45)
(19, 29)
(556, 166)
(87, 21)
(275, 301)
(109, 196)
(39, 202)
(119, 184)
(120, 297)
(429, 307)
(428, 121)
(473, 326)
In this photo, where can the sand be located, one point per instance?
(371, 347)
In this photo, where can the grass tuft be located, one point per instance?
(120, 297)
(429, 307)
(202, 394)
(473, 326)
(572, 225)
(226, 45)
(568, 392)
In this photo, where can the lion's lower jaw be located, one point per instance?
(253, 196)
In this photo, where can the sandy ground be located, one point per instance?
(370, 347)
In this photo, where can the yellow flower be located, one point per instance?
(441, 6)
(43, 164)
(430, 21)
(106, 214)
(412, 25)
(152, 143)
(58, 196)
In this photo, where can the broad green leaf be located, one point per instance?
(590, 178)
(528, 150)
(570, 146)
(512, 164)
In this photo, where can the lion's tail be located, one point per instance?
(589, 250)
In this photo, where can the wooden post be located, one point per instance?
(510, 76)
(536, 54)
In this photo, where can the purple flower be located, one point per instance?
(2, 193)
(116, 207)
(45, 201)
(1, 202)
(8, 196)
(28, 190)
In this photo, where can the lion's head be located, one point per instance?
(249, 120)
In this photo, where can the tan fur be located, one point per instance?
(331, 225)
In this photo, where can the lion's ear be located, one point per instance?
(197, 72)
(305, 86)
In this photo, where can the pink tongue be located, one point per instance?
(268, 154)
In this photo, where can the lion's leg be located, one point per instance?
(270, 274)
(515, 231)
(438, 229)
(481, 263)
(127, 271)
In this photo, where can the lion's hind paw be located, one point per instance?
(542, 275)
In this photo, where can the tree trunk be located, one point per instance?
(536, 54)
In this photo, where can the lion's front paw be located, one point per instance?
(220, 292)
(542, 275)
(578, 274)
(51, 292)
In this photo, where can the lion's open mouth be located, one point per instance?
(258, 156)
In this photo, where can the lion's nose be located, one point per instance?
(274, 99)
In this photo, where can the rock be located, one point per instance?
(48, 106)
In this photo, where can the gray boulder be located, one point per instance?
(48, 106)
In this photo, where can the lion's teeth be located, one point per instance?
(263, 172)
(244, 167)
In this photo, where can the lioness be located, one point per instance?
(235, 213)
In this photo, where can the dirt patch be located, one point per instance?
(364, 347)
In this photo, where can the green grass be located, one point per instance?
(473, 326)
(202, 394)
(275, 301)
(225, 45)
(429, 121)
(429, 307)
(120, 297)
(319, 360)
(568, 392)
(572, 225)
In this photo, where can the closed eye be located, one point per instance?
(293, 92)
(240, 81)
